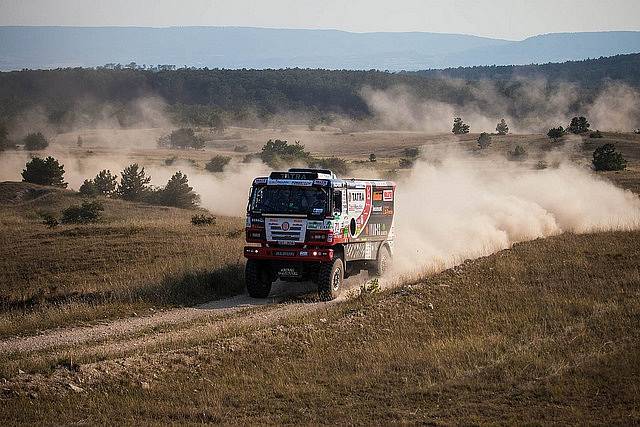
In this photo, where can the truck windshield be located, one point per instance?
(290, 200)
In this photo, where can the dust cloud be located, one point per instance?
(461, 208)
(532, 106)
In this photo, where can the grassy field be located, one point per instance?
(137, 258)
(545, 332)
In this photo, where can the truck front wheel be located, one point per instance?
(257, 276)
(330, 279)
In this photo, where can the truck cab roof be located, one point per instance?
(318, 177)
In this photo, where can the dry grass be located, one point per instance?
(546, 332)
(138, 257)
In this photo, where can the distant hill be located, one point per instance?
(259, 48)
(589, 72)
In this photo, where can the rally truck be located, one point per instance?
(306, 224)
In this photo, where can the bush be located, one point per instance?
(459, 127)
(88, 188)
(484, 140)
(596, 134)
(578, 125)
(170, 160)
(49, 220)
(83, 214)
(406, 163)
(35, 141)
(541, 165)
(134, 184)
(606, 158)
(411, 152)
(202, 219)
(240, 149)
(556, 133)
(217, 163)
(178, 193)
(184, 138)
(276, 153)
(44, 172)
(338, 166)
(372, 157)
(519, 153)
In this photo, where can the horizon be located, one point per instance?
(497, 19)
(315, 29)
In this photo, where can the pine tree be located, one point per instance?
(459, 127)
(105, 182)
(178, 193)
(502, 128)
(134, 184)
(44, 172)
(35, 141)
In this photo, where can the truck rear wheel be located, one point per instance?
(257, 276)
(330, 278)
(382, 263)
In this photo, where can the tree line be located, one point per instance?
(213, 97)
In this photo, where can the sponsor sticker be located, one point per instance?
(377, 209)
(377, 196)
(387, 195)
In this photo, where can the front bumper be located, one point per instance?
(289, 254)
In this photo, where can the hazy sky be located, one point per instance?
(512, 19)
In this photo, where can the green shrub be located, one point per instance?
(217, 164)
(484, 140)
(606, 158)
(203, 219)
(596, 134)
(578, 125)
(49, 219)
(518, 153)
(406, 163)
(278, 153)
(556, 133)
(83, 214)
(411, 152)
(88, 188)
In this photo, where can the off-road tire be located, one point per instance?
(257, 277)
(382, 263)
(330, 278)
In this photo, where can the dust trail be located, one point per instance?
(464, 207)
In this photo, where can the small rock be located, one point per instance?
(75, 388)
(145, 385)
(33, 395)
(430, 306)
(20, 371)
(323, 320)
